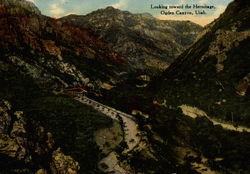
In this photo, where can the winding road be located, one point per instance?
(194, 112)
(131, 128)
(131, 133)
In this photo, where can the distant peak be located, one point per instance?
(24, 4)
(147, 15)
(111, 8)
(73, 15)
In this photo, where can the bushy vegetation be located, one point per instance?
(126, 96)
(213, 142)
(202, 87)
(71, 123)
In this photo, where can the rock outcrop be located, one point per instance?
(25, 5)
(53, 52)
(63, 164)
(243, 86)
(25, 147)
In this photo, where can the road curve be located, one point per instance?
(132, 134)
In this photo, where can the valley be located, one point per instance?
(125, 93)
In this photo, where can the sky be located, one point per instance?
(59, 8)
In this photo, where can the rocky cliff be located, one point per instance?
(53, 52)
(39, 57)
(25, 147)
(178, 113)
(143, 41)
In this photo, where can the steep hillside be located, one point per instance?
(142, 40)
(198, 109)
(188, 120)
(39, 57)
(214, 73)
(52, 52)
(25, 147)
(201, 106)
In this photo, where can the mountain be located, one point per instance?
(40, 58)
(52, 52)
(143, 41)
(214, 73)
(194, 118)
(198, 108)
(201, 102)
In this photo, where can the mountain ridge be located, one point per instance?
(143, 40)
(220, 57)
(63, 44)
(199, 106)
(43, 56)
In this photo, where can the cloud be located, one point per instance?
(31, 1)
(120, 4)
(202, 20)
(55, 10)
(182, 2)
(203, 1)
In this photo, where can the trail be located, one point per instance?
(194, 112)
